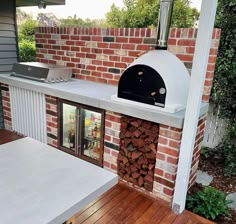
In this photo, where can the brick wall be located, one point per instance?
(1, 111)
(111, 140)
(101, 55)
(52, 120)
(6, 106)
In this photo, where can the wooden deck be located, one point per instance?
(123, 204)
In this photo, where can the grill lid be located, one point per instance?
(42, 72)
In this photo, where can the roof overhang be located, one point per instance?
(22, 3)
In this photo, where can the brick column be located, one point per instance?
(6, 103)
(197, 149)
(52, 121)
(1, 111)
(111, 140)
(166, 162)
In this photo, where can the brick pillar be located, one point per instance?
(52, 120)
(6, 103)
(197, 149)
(111, 140)
(1, 111)
(166, 162)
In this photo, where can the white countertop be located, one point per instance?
(98, 95)
(40, 184)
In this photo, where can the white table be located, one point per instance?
(40, 184)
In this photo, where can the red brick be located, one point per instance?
(136, 40)
(172, 41)
(103, 45)
(212, 59)
(85, 49)
(184, 57)
(114, 153)
(106, 164)
(113, 167)
(90, 78)
(172, 160)
(143, 47)
(112, 118)
(115, 140)
(160, 156)
(96, 62)
(70, 42)
(114, 58)
(108, 51)
(113, 82)
(101, 80)
(93, 56)
(128, 46)
(115, 46)
(172, 32)
(127, 59)
(122, 39)
(186, 42)
(167, 151)
(170, 177)
(174, 144)
(162, 140)
(159, 172)
(120, 65)
(97, 74)
(168, 191)
(108, 63)
(102, 69)
(106, 150)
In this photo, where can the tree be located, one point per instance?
(224, 87)
(22, 16)
(144, 13)
(26, 37)
(78, 22)
(47, 19)
(224, 84)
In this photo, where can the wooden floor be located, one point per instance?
(122, 204)
(7, 136)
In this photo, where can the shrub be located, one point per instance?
(208, 203)
(227, 149)
(27, 51)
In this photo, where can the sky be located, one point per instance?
(92, 9)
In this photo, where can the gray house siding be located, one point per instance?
(8, 43)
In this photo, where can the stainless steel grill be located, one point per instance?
(42, 72)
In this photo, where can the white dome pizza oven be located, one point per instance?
(157, 79)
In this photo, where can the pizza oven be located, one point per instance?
(157, 79)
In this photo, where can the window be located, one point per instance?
(81, 131)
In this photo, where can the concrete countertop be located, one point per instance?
(40, 184)
(99, 95)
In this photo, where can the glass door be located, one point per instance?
(81, 131)
(68, 127)
(91, 135)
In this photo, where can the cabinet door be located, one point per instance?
(91, 135)
(68, 127)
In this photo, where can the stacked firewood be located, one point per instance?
(137, 155)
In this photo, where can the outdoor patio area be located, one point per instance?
(122, 204)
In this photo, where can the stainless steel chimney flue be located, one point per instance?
(164, 22)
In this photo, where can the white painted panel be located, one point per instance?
(29, 113)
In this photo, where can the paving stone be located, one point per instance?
(232, 197)
(203, 178)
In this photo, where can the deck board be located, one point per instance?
(8, 136)
(123, 205)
